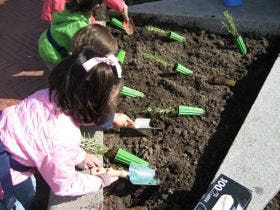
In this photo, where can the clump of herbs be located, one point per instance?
(157, 30)
(157, 111)
(155, 57)
(230, 25)
(90, 145)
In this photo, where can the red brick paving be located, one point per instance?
(21, 69)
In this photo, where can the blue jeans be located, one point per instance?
(25, 195)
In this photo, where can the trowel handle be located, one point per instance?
(118, 173)
(110, 171)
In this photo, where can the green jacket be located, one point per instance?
(63, 27)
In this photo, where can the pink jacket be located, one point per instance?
(37, 135)
(52, 6)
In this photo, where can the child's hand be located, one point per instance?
(99, 171)
(89, 162)
(122, 120)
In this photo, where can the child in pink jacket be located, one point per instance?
(43, 130)
(52, 6)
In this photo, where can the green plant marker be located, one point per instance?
(190, 111)
(127, 91)
(126, 157)
(115, 22)
(241, 45)
(174, 36)
(231, 28)
(121, 56)
(182, 69)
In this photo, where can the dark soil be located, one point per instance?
(188, 150)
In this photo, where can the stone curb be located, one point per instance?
(253, 159)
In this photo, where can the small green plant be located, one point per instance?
(156, 111)
(157, 30)
(180, 110)
(90, 145)
(156, 58)
(231, 28)
(230, 25)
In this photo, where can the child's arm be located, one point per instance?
(118, 6)
(50, 7)
(58, 169)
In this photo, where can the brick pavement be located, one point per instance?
(22, 73)
(21, 69)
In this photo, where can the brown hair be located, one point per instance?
(86, 7)
(96, 36)
(86, 96)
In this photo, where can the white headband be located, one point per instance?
(110, 60)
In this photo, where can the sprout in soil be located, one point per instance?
(156, 111)
(157, 30)
(231, 28)
(230, 25)
(90, 145)
(156, 58)
(181, 110)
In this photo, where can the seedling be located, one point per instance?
(231, 28)
(126, 157)
(121, 56)
(155, 57)
(90, 145)
(157, 111)
(127, 91)
(175, 111)
(170, 34)
(157, 30)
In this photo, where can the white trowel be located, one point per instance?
(143, 123)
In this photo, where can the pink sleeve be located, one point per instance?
(50, 7)
(58, 169)
(117, 5)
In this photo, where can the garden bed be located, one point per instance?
(188, 150)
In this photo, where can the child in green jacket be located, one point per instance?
(55, 42)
